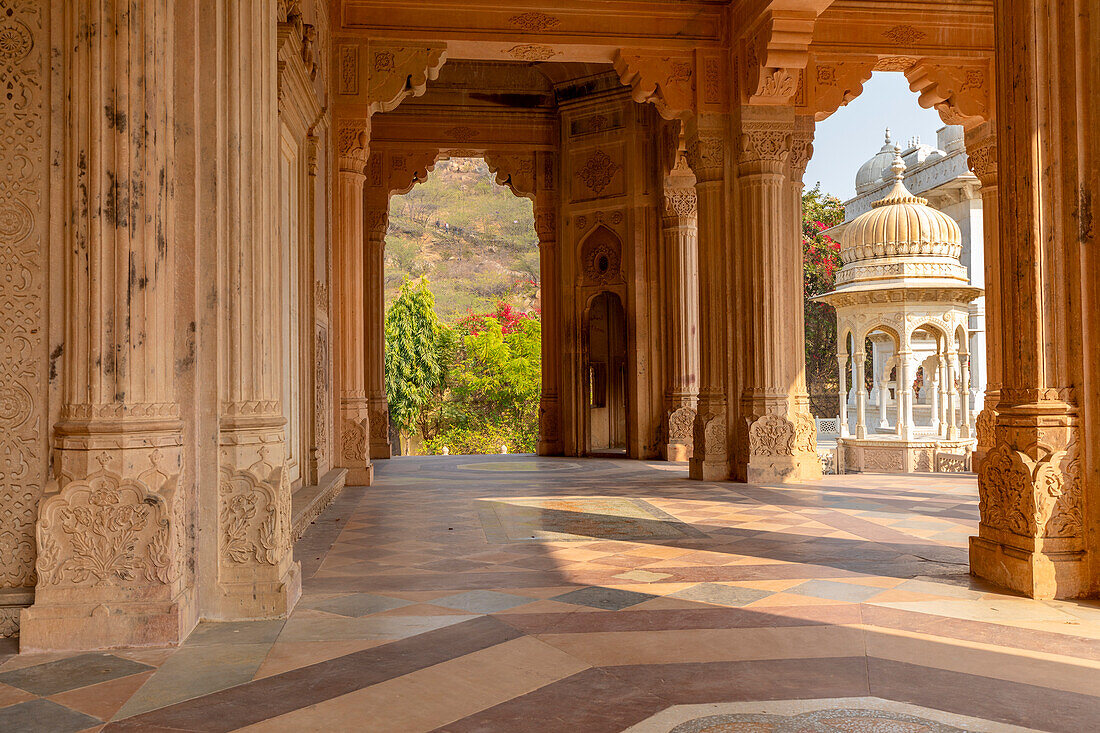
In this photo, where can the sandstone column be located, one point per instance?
(842, 370)
(777, 440)
(257, 576)
(681, 288)
(1038, 484)
(110, 535)
(981, 153)
(706, 137)
(375, 221)
(348, 302)
(546, 228)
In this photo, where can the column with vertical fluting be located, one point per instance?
(706, 154)
(546, 228)
(348, 303)
(110, 531)
(842, 392)
(375, 221)
(981, 153)
(681, 289)
(777, 440)
(257, 576)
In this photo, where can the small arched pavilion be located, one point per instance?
(903, 283)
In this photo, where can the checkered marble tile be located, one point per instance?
(597, 595)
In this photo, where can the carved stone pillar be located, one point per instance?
(546, 227)
(375, 221)
(110, 534)
(706, 154)
(777, 440)
(1038, 484)
(257, 576)
(981, 152)
(352, 406)
(842, 392)
(681, 288)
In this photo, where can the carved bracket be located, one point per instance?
(961, 93)
(774, 55)
(666, 81)
(378, 77)
(833, 84)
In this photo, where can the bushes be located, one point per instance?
(471, 387)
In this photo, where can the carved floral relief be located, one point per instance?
(107, 529)
(24, 47)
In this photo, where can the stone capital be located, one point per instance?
(352, 139)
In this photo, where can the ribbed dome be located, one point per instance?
(870, 173)
(900, 225)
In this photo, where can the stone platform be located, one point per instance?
(643, 602)
(892, 454)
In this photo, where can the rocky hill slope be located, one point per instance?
(473, 239)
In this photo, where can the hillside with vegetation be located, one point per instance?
(473, 240)
(463, 326)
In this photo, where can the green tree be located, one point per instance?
(418, 347)
(820, 261)
(493, 386)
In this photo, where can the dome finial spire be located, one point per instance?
(899, 165)
(887, 135)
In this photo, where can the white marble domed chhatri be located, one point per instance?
(902, 282)
(870, 174)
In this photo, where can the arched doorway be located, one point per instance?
(605, 367)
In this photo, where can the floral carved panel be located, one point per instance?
(254, 517)
(107, 530)
(24, 59)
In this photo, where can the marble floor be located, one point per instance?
(507, 594)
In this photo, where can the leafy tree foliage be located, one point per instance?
(493, 386)
(417, 354)
(471, 387)
(820, 261)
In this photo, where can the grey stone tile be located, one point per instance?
(68, 674)
(482, 601)
(209, 633)
(835, 591)
(44, 716)
(356, 604)
(610, 599)
(721, 595)
(194, 671)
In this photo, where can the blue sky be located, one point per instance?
(854, 133)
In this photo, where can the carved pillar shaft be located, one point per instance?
(681, 288)
(842, 371)
(1038, 484)
(706, 154)
(546, 227)
(778, 441)
(111, 536)
(352, 408)
(375, 221)
(257, 576)
(981, 151)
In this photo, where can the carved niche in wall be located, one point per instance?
(601, 257)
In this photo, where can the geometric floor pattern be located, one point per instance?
(508, 594)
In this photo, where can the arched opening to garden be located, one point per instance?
(921, 272)
(463, 316)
